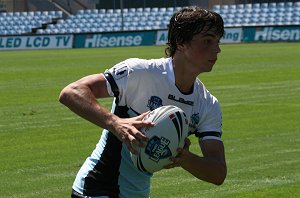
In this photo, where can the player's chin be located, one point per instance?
(210, 65)
(208, 68)
(212, 62)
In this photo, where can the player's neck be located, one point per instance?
(184, 79)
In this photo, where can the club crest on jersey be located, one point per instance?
(158, 148)
(194, 121)
(154, 102)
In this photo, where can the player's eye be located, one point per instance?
(210, 41)
(207, 41)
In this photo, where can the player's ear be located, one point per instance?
(180, 46)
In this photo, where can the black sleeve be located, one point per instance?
(113, 84)
(208, 133)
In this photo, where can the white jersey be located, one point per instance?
(141, 85)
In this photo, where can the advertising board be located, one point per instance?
(271, 34)
(232, 35)
(36, 42)
(114, 39)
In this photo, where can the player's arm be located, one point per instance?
(81, 97)
(211, 167)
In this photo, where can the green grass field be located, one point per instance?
(43, 144)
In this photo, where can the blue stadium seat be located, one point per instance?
(132, 10)
(240, 6)
(216, 7)
(117, 12)
(272, 5)
(170, 10)
(154, 10)
(288, 4)
(80, 12)
(141, 10)
(147, 10)
(280, 5)
(101, 11)
(264, 5)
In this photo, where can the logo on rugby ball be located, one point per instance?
(158, 148)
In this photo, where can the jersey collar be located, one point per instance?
(170, 70)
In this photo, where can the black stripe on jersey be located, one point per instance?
(208, 133)
(113, 85)
(103, 179)
(137, 113)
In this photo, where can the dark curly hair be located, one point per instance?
(190, 21)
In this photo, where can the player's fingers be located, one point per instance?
(140, 117)
(182, 155)
(132, 144)
(171, 165)
(182, 152)
(138, 121)
(143, 123)
(175, 160)
(168, 167)
(132, 149)
(143, 115)
(138, 137)
(187, 143)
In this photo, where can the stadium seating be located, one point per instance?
(135, 19)
(111, 20)
(17, 23)
(259, 14)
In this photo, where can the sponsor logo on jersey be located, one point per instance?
(120, 72)
(154, 102)
(158, 148)
(181, 100)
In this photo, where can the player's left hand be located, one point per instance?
(183, 153)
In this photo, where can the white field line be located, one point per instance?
(263, 166)
(261, 86)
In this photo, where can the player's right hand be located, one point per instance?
(126, 130)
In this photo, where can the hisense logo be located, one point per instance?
(99, 40)
(271, 34)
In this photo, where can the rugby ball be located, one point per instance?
(168, 133)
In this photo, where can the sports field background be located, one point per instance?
(43, 144)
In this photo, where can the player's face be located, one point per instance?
(202, 51)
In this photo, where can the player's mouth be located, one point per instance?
(212, 60)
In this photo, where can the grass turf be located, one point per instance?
(43, 144)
